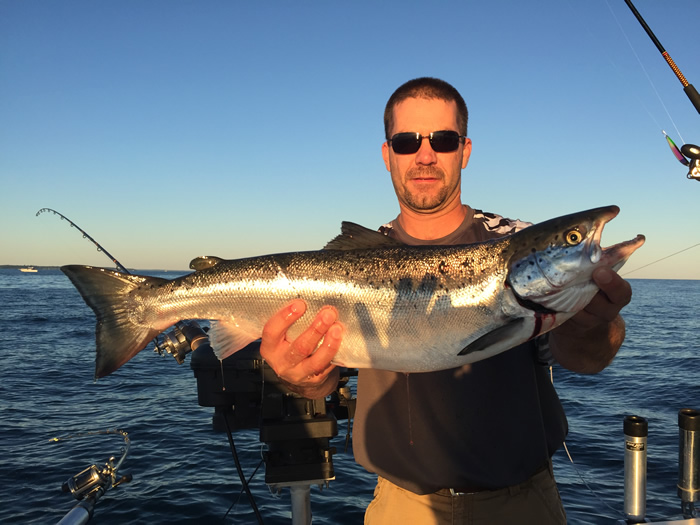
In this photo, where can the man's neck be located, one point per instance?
(429, 226)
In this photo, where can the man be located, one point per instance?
(472, 444)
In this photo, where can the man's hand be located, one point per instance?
(304, 365)
(589, 341)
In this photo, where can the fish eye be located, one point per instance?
(573, 237)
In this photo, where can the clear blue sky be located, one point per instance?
(171, 129)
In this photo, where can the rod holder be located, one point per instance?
(636, 430)
(689, 460)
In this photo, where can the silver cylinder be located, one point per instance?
(689, 455)
(636, 430)
(301, 504)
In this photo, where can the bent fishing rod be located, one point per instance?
(86, 236)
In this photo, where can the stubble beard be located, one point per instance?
(425, 201)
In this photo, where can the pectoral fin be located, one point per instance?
(485, 341)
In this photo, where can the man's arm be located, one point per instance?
(589, 341)
(302, 365)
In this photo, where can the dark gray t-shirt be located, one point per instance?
(490, 424)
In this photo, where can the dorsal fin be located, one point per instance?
(204, 262)
(356, 237)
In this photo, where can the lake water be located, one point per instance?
(183, 471)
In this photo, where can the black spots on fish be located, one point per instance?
(405, 286)
(442, 267)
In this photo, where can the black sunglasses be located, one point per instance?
(440, 141)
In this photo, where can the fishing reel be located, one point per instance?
(692, 153)
(94, 480)
(89, 485)
(185, 337)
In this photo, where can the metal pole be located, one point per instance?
(689, 460)
(636, 430)
(301, 504)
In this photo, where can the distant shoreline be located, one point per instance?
(44, 268)
(18, 266)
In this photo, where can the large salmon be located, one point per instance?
(405, 308)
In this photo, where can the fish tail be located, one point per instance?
(118, 335)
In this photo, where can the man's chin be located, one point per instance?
(424, 203)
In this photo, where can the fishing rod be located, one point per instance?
(119, 265)
(186, 335)
(688, 154)
(690, 91)
(89, 485)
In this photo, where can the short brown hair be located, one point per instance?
(426, 87)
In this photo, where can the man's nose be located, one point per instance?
(426, 154)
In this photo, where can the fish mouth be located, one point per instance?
(617, 254)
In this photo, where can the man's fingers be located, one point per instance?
(307, 359)
(615, 293)
(305, 344)
(319, 363)
(276, 328)
(617, 290)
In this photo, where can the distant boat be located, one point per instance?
(28, 269)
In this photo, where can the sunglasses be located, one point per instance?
(440, 141)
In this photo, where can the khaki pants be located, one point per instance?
(534, 502)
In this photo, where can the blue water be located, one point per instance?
(183, 471)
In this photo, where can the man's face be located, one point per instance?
(426, 181)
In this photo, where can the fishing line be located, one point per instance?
(614, 64)
(578, 471)
(646, 73)
(123, 433)
(580, 475)
(662, 259)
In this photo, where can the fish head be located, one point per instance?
(552, 263)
